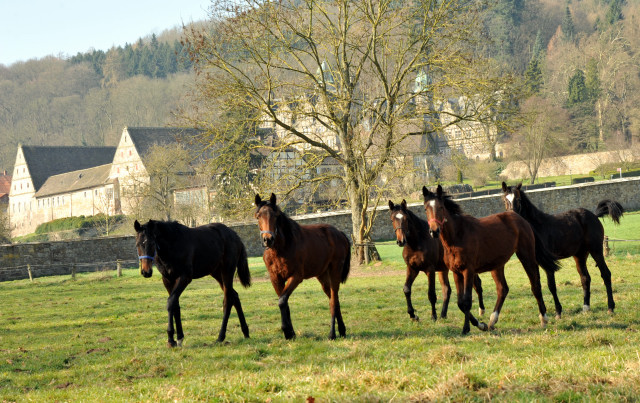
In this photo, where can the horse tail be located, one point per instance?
(545, 258)
(611, 208)
(346, 267)
(243, 266)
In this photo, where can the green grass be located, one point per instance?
(102, 338)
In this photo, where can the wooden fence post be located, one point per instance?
(73, 271)
(119, 268)
(30, 274)
(605, 245)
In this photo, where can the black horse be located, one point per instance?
(576, 233)
(182, 254)
(422, 253)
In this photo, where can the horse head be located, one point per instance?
(512, 197)
(434, 206)
(146, 245)
(267, 213)
(400, 221)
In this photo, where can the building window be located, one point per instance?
(129, 152)
(96, 192)
(85, 195)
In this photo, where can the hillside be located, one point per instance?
(582, 58)
(89, 98)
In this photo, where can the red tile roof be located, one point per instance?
(5, 184)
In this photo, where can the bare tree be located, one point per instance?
(150, 192)
(538, 138)
(5, 227)
(334, 79)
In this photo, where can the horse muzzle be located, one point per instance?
(401, 242)
(146, 269)
(434, 233)
(268, 242)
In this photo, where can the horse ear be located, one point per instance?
(272, 199)
(404, 204)
(504, 187)
(391, 205)
(439, 191)
(425, 191)
(137, 226)
(519, 186)
(258, 200)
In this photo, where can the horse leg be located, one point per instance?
(411, 276)
(502, 289)
(551, 284)
(283, 304)
(446, 291)
(431, 293)
(585, 279)
(173, 308)
(477, 285)
(331, 286)
(459, 280)
(530, 265)
(605, 273)
(240, 312)
(464, 284)
(230, 296)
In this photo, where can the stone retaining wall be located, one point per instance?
(56, 258)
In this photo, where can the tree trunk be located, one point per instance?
(364, 251)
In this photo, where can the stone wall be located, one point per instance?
(578, 164)
(53, 258)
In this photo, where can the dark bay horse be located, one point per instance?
(422, 253)
(576, 233)
(295, 252)
(477, 245)
(182, 254)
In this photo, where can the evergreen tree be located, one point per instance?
(592, 80)
(533, 76)
(537, 50)
(568, 29)
(614, 13)
(578, 92)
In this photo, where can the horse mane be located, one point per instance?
(290, 228)
(418, 223)
(529, 210)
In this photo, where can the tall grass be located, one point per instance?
(102, 338)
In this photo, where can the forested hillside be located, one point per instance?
(580, 61)
(89, 98)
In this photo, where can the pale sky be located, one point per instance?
(37, 28)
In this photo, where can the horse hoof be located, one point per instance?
(558, 316)
(491, 327)
(544, 320)
(434, 318)
(586, 308)
(290, 336)
(480, 311)
(483, 326)
(610, 311)
(180, 342)
(171, 344)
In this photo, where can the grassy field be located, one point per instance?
(102, 338)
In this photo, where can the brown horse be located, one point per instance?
(477, 245)
(576, 232)
(422, 253)
(295, 252)
(182, 254)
